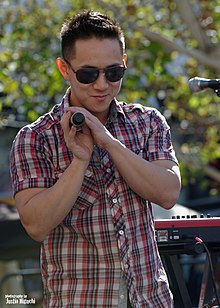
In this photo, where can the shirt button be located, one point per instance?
(114, 200)
(122, 296)
(121, 232)
(108, 170)
(88, 173)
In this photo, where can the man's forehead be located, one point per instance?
(93, 50)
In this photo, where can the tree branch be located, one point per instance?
(186, 12)
(201, 57)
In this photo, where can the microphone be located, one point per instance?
(77, 119)
(198, 84)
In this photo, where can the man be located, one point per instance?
(86, 194)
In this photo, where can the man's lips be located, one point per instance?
(100, 97)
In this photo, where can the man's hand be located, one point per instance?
(80, 143)
(93, 132)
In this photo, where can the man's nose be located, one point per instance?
(101, 82)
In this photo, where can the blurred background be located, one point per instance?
(167, 43)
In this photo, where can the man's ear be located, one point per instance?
(63, 68)
(125, 59)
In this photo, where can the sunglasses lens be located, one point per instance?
(114, 74)
(87, 75)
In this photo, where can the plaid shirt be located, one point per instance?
(110, 229)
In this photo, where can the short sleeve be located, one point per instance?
(30, 161)
(159, 144)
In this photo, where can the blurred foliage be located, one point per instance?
(157, 74)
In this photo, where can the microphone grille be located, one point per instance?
(194, 84)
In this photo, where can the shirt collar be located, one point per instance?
(66, 99)
(115, 110)
(58, 110)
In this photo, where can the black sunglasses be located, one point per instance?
(88, 75)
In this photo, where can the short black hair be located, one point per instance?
(86, 25)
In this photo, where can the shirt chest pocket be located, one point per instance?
(140, 151)
(89, 192)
